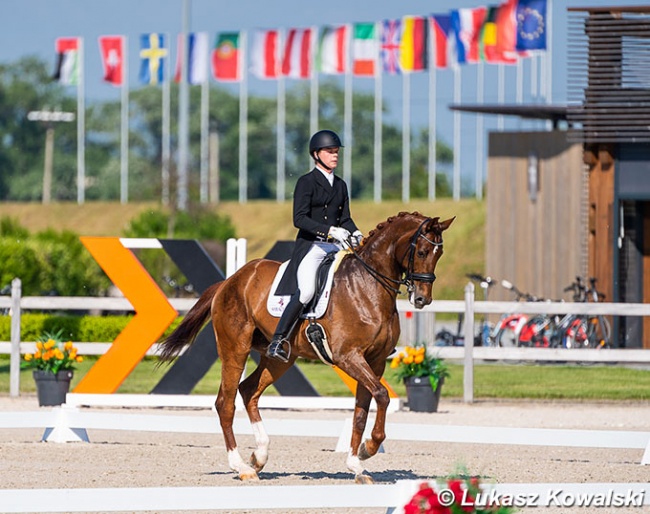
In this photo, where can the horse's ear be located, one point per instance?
(444, 225)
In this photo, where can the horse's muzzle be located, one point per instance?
(420, 301)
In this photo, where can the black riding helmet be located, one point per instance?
(323, 139)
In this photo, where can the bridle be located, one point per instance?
(411, 276)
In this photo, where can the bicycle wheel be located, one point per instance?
(599, 332)
(576, 335)
(506, 337)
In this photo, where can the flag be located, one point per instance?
(112, 50)
(332, 50)
(531, 25)
(507, 30)
(413, 46)
(296, 60)
(364, 49)
(441, 25)
(466, 25)
(391, 35)
(67, 61)
(226, 57)
(153, 55)
(264, 54)
(488, 40)
(197, 68)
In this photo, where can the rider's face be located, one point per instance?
(329, 156)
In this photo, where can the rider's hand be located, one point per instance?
(339, 233)
(357, 237)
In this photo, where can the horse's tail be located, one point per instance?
(185, 333)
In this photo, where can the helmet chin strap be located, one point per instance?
(318, 160)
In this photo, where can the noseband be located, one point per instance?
(411, 276)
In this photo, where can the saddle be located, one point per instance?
(316, 307)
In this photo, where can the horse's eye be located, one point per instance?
(422, 254)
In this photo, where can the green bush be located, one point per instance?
(84, 329)
(18, 260)
(198, 223)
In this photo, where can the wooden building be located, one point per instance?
(576, 201)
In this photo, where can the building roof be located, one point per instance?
(555, 113)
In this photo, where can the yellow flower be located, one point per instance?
(73, 353)
(408, 360)
(68, 346)
(28, 357)
(50, 344)
(394, 363)
(37, 355)
(58, 354)
(418, 359)
(39, 345)
(47, 356)
(79, 359)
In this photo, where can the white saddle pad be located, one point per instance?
(276, 304)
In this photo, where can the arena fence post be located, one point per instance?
(468, 363)
(14, 360)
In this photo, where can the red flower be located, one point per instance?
(462, 498)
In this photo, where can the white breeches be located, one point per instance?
(309, 266)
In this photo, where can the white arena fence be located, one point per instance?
(424, 329)
(66, 423)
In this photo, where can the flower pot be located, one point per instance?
(420, 395)
(52, 388)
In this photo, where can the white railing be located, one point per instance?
(468, 353)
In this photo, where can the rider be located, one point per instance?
(321, 213)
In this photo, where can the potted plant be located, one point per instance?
(423, 375)
(53, 364)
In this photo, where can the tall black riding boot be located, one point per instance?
(280, 347)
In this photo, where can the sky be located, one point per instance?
(30, 27)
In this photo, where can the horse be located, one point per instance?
(361, 323)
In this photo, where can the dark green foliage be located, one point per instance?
(197, 223)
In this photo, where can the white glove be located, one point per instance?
(339, 233)
(357, 237)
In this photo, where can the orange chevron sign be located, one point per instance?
(153, 314)
(352, 383)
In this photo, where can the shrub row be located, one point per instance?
(74, 328)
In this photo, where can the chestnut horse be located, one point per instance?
(361, 323)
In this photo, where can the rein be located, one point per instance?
(411, 276)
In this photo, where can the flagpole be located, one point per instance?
(549, 51)
(406, 136)
(378, 120)
(480, 80)
(313, 103)
(500, 93)
(81, 126)
(166, 101)
(205, 127)
(432, 114)
(520, 81)
(280, 151)
(243, 121)
(124, 151)
(347, 115)
(183, 113)
(457, 86)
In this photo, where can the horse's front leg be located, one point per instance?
(369, 386)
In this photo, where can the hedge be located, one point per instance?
(74, 328)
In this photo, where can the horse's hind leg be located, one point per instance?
(232, 367)
(268, 371)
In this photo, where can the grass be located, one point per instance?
(491, 381)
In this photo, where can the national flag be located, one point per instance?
(365, 49)
(466, 25)
(296, 60)
(488, 40)
(531, 25)
(414, 43)
(391, 35)
(226, 57)
(441, 26)
(264, 54)
(197, 68)
(507, 30)
(67, 61)
(333, 50)
(153, 54)
(112, 50)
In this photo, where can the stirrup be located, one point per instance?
(276, 349)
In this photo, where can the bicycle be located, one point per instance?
(482, 338)
(508, 331)
(587, 331)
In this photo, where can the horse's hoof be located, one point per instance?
(363, 479)
(248, 475)
(256, 464)
(363, 453)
